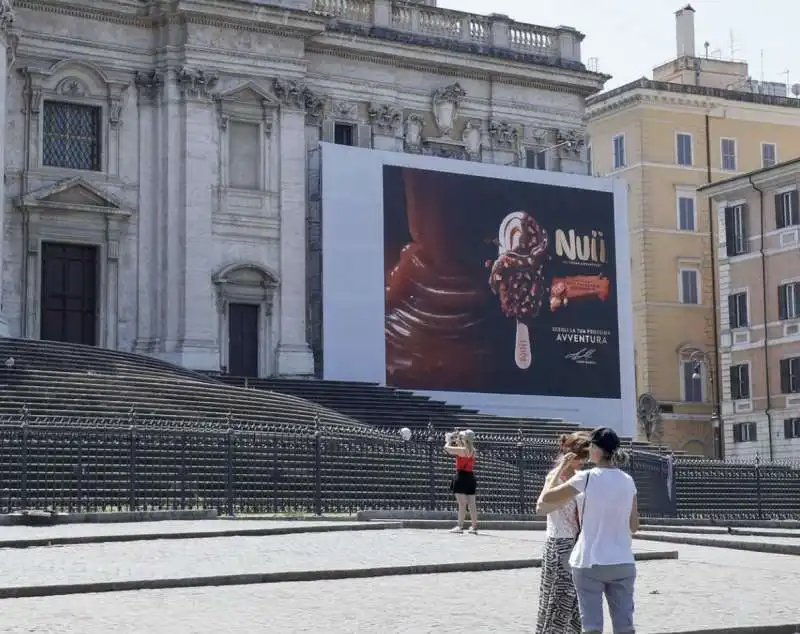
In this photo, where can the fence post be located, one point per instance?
(431, 470)
(23, 477)
(231, 448)
(758, 487)
(521, 469)
(132, 468)
(317, 467)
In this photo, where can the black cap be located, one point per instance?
(605, 438)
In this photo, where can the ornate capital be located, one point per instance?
(295, 95)
(196, 84)
(149, 84)
(504, 134)
(386, 119)
(570, 142)
(6, 16)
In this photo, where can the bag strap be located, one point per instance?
(583, 506)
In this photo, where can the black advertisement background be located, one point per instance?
(483, 203)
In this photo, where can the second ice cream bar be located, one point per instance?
(564, 289)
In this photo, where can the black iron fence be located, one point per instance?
(110, 465)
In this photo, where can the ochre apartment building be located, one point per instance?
(699, 120)
(757, 234)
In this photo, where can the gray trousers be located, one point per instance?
(616, 583)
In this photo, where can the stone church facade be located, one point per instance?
(161, 161)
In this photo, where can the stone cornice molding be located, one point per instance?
(461, 71)
(195, 84)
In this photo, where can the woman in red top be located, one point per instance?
(462, 446)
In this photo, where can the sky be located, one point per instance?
(636, 35)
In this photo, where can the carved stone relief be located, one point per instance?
(295, 95)
(503, 134)
(570, 142)
(195, 83)
(386, 119)
(413, 133)
(6, 15)
(471, 137)
(342, 111)
(445, 106)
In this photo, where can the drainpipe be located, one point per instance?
(716, 396)
(766, 330)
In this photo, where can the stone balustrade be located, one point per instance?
(496, 31)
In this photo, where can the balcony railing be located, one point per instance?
(497, 31)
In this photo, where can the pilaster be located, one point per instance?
(6, 23)
(294, 352)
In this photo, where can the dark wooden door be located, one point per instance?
(243, 339)
(69, 293)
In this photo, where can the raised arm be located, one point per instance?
(555, 495)
(634, 520)
(455, 451)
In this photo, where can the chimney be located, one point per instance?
(684, 31)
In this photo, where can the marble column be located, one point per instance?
(6, 22)
(294, 352)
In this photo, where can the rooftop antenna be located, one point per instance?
(733, 46)
(762, 65)
(707, 45)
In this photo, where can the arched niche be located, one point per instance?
(245, 292)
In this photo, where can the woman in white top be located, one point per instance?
(602, 561)
(558, 603)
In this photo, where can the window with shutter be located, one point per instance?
(740, 382)
(791, 428)
(736, 230)
(737, 310)
(789, 301)
(787, 210)
(364, 135)
(689, 291)
(752, 429)
(768, 154)
(737, 432)
(790, 375)
(686, 215)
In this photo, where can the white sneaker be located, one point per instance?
(457, 530)
(473, 531)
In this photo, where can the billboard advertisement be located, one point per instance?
(502, 289)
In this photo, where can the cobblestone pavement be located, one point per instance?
(794, 541)
(707, 588)
(236, 555)
(146, 528)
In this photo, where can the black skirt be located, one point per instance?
(464, 483)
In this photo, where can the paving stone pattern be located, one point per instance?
(708, 588)
(147, 528)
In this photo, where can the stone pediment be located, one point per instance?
(75, 194)
(249, 94)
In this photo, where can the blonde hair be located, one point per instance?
(468, 438)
